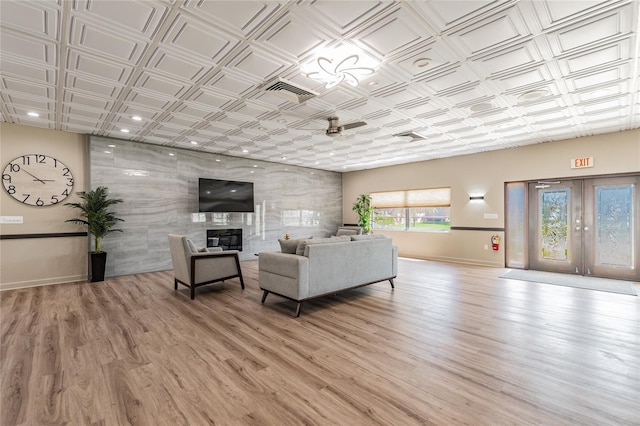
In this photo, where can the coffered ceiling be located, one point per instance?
(463, 76)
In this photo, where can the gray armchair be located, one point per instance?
(195, 267)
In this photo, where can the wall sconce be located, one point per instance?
(476, 197)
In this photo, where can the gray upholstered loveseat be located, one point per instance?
(327, 266)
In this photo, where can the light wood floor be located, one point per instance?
(450, 345)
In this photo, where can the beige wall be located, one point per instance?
(30, 262)
(486, 173)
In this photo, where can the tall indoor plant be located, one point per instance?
(363, 209)
(100, 222)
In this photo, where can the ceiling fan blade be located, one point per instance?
(353, 125)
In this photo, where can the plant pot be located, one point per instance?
(98, 265)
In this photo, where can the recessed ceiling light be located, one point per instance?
(421, 62)
(217, 160)
(282, 120)
(171, 154)
(317, 162)
(264, 129)
(111, 146)
(373, 83)
(533, 95)
(284, 158)
(124, 130)
(33, 114)
(331, 153)
(482, 106)
(107, 152)
(245, 150)
(136, 118)
(194, 143)
(255, 165)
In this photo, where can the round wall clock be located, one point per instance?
(37, 180)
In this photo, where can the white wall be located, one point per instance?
(486, 173)
(40, 261)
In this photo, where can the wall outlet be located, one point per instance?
(486, 246)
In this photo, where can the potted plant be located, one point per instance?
(362, 207)
(100, 222)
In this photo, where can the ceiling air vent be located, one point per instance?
(289, 90)
(413, 135)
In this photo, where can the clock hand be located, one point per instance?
(34, 178)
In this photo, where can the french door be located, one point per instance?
(585, 226)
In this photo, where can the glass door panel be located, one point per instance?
(554, 241)
(611, 227)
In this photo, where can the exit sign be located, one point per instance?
(581, 163)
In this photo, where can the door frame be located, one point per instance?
(523, 263)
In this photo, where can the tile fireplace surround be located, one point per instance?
(159, 186)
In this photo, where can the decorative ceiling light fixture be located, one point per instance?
(340, 65)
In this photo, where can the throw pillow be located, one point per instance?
(192, 246)
(366, 237)
(342, 232)
(288, 246)
(302, 245)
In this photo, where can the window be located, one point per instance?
(421, 210)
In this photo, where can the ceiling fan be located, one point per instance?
(335, 129)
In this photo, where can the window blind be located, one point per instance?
(436, 197)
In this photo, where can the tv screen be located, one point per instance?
(225, 196)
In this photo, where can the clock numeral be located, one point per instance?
(14, 167)
(70, 182)
(26, 198)
(26, 160)
(65, 192)
(39, 202)
(66, 171)
(6, 177)
(54, 199)
(40, 158)
(11, 189)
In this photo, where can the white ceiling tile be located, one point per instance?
(31, 49)
(239, 17)
(36, 18)
(163, 86)
(177, 66)
(199, 39)
(100, 40)
(98, 67)
(141, 18)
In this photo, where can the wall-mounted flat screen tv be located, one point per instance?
(225, 196)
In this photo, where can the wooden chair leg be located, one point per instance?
(391, 281)
(175, 284)
(193, 292)
(264, 295)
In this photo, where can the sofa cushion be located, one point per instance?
(343, 231)
(366, 237)
(302, 244)
(288, 246)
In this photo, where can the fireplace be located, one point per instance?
(227, 239)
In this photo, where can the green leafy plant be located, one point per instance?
(95, 214)
(364, 210)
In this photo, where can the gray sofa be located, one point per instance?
(326, 266)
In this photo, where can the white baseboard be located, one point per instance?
(38, 283)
